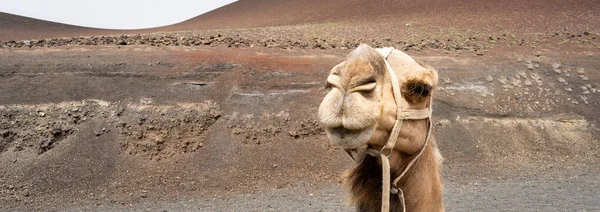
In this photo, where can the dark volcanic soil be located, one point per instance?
(105, 127)
(225, 119)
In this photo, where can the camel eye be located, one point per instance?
(365, 86)
(370, 81)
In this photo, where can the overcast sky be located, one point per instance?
(112, 14)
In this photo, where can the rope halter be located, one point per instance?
(385, 151)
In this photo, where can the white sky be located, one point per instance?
(112, 14)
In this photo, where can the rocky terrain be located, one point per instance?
(477, 44)
(225, 119)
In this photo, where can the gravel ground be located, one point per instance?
(576, 193)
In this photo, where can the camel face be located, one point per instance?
(352, 108)
(364, 107)
(360, 108)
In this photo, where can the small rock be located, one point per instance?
(519, 58)
(538, 53)
(581, 71)
(558, 71)
(447, 80)
(584, 78)
(489, 78)
(502, 79)
(584, 99)
(293, 134)
(530, 66)
(569, 89)
(521, 74)
(536, 77)
(516, 82)
(556, 65)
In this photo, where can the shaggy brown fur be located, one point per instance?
(364, 181)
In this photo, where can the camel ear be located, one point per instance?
(434, 76)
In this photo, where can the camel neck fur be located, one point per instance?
(421, 184)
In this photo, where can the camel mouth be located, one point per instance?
(346, 138)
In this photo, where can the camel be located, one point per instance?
(378, 109)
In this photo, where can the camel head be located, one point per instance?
(360, 109)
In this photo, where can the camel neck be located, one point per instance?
(421, 182)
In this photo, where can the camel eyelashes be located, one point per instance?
(365, 82)
(368, 81)
(366, 85)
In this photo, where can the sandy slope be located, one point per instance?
(16, 27)
(372, 17)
